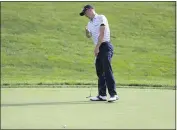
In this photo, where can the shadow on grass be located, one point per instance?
(52, 103)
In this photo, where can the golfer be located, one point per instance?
(98, 30)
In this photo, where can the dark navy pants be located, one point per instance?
(104, 70)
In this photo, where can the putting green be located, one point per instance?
(51, 108)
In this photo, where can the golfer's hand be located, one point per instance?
(86, 29)
(96, 51)
(88, 34)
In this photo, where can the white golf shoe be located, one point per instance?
(113, 98)
(99, 98)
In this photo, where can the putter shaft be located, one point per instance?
(90, 93)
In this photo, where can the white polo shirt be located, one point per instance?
(94, 28)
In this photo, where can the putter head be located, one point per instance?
(88, 97)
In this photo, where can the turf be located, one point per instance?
(44, 42)
(51, 108)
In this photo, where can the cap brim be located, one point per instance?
(82, 14)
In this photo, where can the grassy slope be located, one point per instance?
(45, 42)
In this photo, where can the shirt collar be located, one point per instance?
(94, 17)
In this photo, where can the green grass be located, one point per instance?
(44, 42)
(50, 108)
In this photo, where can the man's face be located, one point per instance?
(88, 13)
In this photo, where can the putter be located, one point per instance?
(90, 93)
(91, 87)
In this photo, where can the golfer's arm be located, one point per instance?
(88, 34)
(101, 36)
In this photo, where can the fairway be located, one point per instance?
(51, 108)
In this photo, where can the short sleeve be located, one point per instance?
(103, 20)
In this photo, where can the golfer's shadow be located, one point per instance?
(51, 103)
